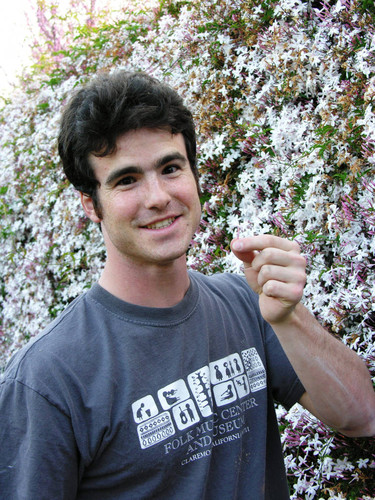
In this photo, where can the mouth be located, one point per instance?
(161, 224)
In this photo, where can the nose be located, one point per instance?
(156, 194)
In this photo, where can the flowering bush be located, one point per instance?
(283, 94)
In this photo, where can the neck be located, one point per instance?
(150, 286)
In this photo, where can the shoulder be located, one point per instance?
(217, 279)
(229, 292)
(60, 338)
(225, 285)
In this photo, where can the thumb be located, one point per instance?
(247, 256)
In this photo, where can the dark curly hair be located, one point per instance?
(109, 106)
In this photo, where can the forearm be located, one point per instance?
(338, 385)
(337, 382)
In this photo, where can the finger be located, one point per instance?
(263, 248)
(261, 242)
(283, 274)
(247, 256)
(289, 293)
(252, 279)
(277, 257)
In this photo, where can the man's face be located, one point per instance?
(148, 197)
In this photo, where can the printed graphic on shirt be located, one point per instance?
(255, 370)
(224, 393)
(185, 415)
(144, 408)
(226, 368)
(181, 405)
(173, 394)
(242, 386)
(223, 373)
(155, 430)
(199, 383)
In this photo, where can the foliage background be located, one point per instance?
(283, 96)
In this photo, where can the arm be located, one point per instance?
(338, 385)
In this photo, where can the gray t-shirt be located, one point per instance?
(116, 401)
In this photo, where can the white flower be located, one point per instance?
(363, 463)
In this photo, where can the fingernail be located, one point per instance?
(237, 245)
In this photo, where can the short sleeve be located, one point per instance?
(38, 457)
(285, 385)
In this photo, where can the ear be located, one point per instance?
(88, 206)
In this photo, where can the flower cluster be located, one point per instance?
(283, 95)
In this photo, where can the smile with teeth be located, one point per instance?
(161, 224)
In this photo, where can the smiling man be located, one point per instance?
(160, 382)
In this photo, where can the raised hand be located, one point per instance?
(275, 269)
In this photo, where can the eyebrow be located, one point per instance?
(133, 169)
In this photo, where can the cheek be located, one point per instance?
(190, 192)
(189, 197)
(195, 205)
(120, 208)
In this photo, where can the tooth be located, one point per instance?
(161, 224)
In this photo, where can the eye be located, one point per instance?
(126, 181)
(170, 169)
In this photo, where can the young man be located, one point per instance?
(160, 382)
